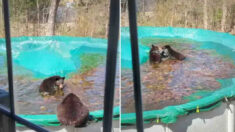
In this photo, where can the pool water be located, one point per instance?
(174, 82)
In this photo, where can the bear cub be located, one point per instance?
(169, 52)
(52, 86)
(159, 54)
(155, 55)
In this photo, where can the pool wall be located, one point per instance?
(220, 119)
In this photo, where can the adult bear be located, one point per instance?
(71, 111)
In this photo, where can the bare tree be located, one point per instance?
(107, 4)
(38, 15)
(52, 15)
(205, 15)
(233, 24)
(80, 2)
(124, 5)
(223, 21)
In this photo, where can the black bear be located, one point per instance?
(155, 55)
(52, 85)
(71, 111)
(167, 52)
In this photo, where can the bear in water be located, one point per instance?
(155, 55)
(71, 111)
(52, 86)
(168, 52)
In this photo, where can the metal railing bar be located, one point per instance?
(113, 37)
(20, 120)
(9, 61)
(9, 56)
(11, 113)
(135, 64)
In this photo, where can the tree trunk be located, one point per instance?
(173, 16)
(38, 18)
(232, 26)
(107, 23)
(81, 3)
(205, 16)
(143, 6)
(223, 21)
(185, 18)
(27, 23)
(51, 18)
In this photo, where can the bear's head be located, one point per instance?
(155, 49)
(155, 54)
(165, 51)
(59, 82)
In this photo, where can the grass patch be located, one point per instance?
(178, 43)
(90, 61)
(197, 95)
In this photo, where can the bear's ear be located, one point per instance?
(167, 46)
(57, 78)
(153, 46)
(63, 78)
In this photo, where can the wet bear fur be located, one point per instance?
(173, 53)
(154, 55)
(71, 111)
(51, 85)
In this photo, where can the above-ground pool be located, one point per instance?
(174, 87)
(80, 60)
